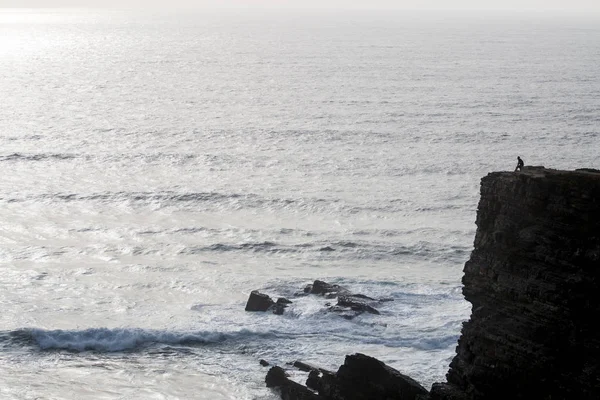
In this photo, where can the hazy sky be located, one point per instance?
(567, 5)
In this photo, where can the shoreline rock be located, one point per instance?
(533, 279)
(349, 305)
(360, 378)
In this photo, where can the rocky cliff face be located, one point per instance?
(533, 280)
(534, 283)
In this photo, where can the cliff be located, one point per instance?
(534, 283)
(533, 280)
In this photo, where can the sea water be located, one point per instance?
(157, 167)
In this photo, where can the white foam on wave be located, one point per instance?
(114, 340)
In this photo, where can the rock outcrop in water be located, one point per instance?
(533, 279)
(360, 378)
(349, 305)
(262, 302)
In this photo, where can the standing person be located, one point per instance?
(519, 164)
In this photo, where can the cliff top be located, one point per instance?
(539, 171)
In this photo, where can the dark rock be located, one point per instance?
(264, 363)
(442, 391)
(280, 305)
(278, 308)
(290, 390)
(344, 312)
(360, 378)
(258, 302)
(355, 304)
(366, 378)
(362, 296)
(350, 306)
(302, 366)
(296, 391)
(593, 170)
(324, 288)
(533, 280)
(314, 380)
(327, 248)
(276, 377)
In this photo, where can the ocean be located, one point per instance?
(157, 167)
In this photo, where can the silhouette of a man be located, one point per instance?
(519, 164)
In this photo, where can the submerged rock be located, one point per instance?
(356, 303)
(349, 305)
(289, 390)
(325, 289)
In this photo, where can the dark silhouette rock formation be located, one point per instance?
(534, 281)
(259, 302)
(349, 305)
(360, 378)
(325, 289)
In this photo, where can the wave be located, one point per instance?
(105, 340)
(340, 250)
(136, 197)
(229, 200)
(39, 157)
(360, 250)
(118, 340)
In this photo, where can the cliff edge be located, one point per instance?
(533, 280)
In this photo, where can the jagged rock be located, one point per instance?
(355, 304)
(278, 308)
(314, 380)
(360, 378)
(258, 302)
(327, 248)
(533, 279)
(441, 391)
(325, 289)
(364, 297)
(349, 304)
(280, 305)
(276, 377)
(302, 366)
(264, 363)
(262, 302)
(366, 378)
(290, 390)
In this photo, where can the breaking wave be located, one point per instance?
(116, 340)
